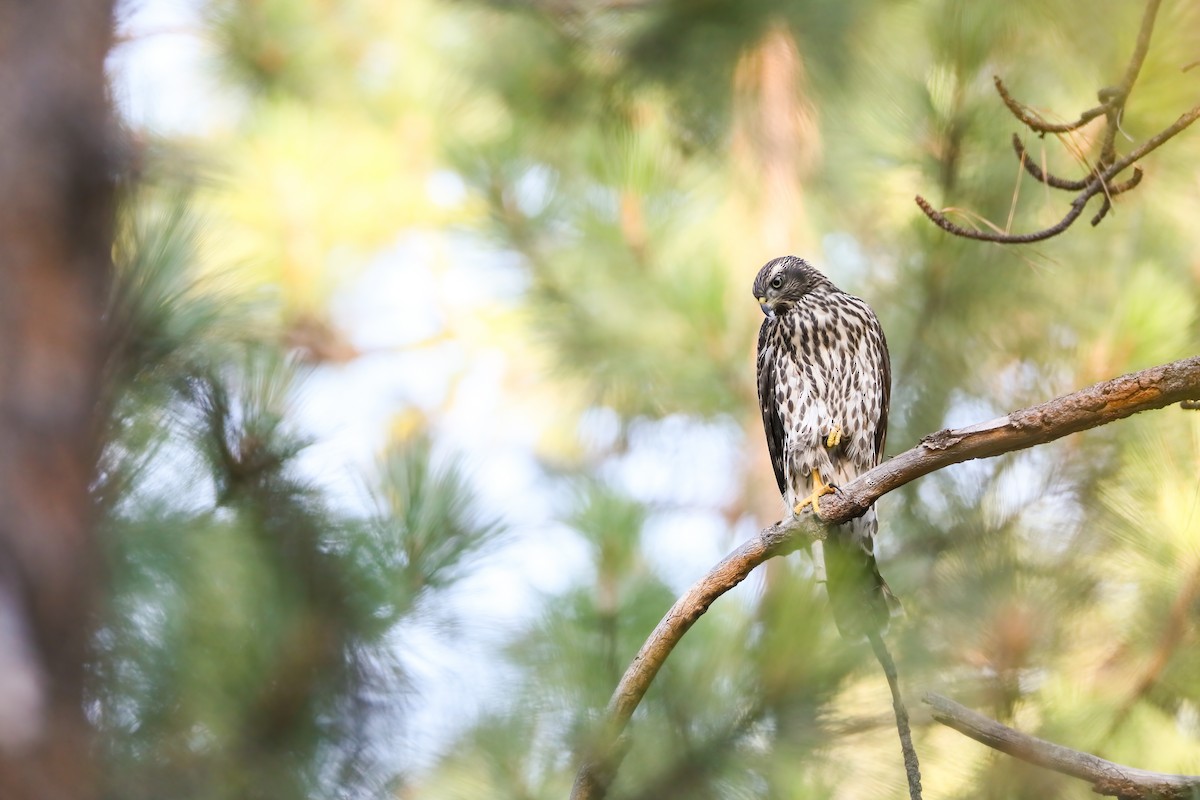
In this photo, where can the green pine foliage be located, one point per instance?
(243, 650)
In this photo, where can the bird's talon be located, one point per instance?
(834, 438)
(820, 489)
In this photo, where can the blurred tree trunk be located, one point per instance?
(56, 181)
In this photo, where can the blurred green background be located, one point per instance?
(435, 388)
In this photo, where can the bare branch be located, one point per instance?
(1099, 404)
(1044, 177)
(1105, 207)
(1107, 778)
(600, 764)
(945, 224)
(1114, 98)
(1140, 49)
(1153, 143)
(1112, 107)
(1092, 407)
(1094, 186)
(1034, 121)
(912, 769)
(1113, 191)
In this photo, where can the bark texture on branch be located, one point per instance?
(1107, 778)
(56, 180)
(1092, 407)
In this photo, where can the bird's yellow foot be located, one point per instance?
(834, 438)
(820, 489)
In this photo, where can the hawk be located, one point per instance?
(824, 382)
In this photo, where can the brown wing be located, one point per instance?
(772, 424)
(884, 373)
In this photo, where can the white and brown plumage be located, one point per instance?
(824, 382)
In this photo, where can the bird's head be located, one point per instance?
(782, 282)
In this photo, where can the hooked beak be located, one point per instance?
(767, 310)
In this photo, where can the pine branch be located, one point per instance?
(1092, 407)
(1107, 778)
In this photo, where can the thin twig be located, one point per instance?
(1115, 98)
(1112, 107)
(1041, 175)
(1106, 778)
(1153, 143)
(912, 769)
(1094, 186)
(1125, 186)
(1034, 121)
(945, 224)
(1092, 407)
(1141, 48)
(1105, 207)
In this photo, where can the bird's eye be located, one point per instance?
(777, 282)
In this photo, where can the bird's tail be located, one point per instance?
(859, 597)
